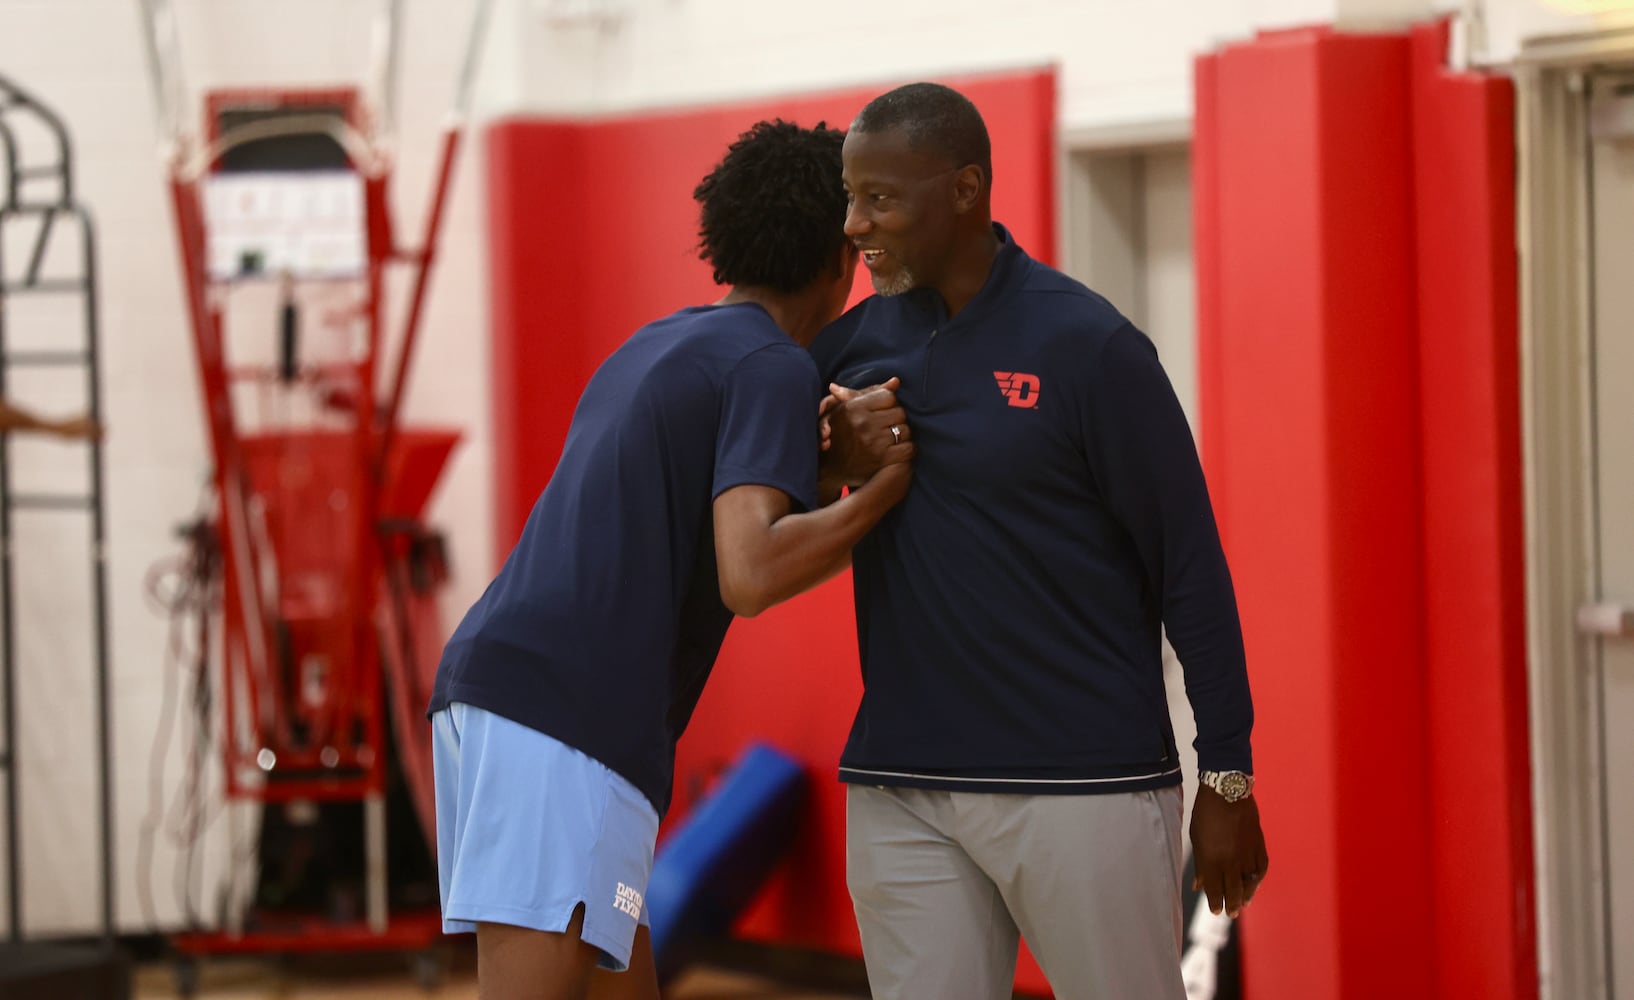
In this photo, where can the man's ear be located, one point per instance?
(968, 184)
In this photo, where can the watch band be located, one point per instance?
(1233, 786)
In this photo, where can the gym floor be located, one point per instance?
(312, 980)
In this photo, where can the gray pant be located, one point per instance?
(945, 883)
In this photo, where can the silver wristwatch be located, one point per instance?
(1233, 786)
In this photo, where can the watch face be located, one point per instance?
(1233, 785)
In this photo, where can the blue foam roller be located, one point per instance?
(710, 867)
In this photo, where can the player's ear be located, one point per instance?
(849, 254)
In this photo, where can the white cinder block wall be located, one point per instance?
(1121, 62)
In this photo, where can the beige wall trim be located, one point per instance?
(1556, 385)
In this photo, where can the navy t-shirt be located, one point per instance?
(606, 619)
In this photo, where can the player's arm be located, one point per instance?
(767, 554)
(15, 418)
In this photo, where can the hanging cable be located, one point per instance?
(183, 589)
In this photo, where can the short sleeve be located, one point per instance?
(829, 350)
(767, 434)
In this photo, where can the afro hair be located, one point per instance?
(772, 212)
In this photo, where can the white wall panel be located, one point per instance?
(85, 59)
(1120, 60)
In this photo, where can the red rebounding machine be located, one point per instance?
(328, 576)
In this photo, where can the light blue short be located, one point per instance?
(528, 828)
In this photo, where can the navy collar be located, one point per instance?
(1009, 264)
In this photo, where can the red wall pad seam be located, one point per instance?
(1481, 846)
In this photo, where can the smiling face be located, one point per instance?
(903, 209)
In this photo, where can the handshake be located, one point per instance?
(865, 440)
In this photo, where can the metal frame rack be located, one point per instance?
(42, 192)
(38, 191)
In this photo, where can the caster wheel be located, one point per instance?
(187, 978)
(430, 969)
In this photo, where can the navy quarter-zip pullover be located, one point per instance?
(1010, 610)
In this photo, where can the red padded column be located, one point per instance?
(1475, 588)
(1309, 381)
(537, 262)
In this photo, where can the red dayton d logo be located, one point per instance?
(1021, 388)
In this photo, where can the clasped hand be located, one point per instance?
(863, 430)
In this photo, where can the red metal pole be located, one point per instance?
(238, 552)
(428, 252)
(206, 336)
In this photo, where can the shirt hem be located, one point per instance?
(1022, 785)
(480, 697)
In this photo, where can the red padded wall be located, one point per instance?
(540, 240)
(1310, 383)
(1358, 370)
(592, 231)
(1475, 587)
